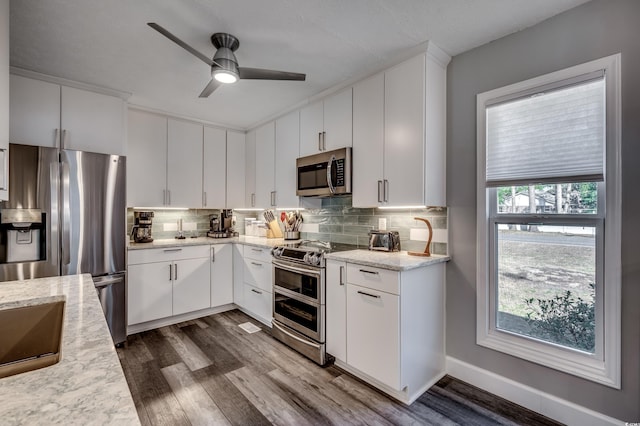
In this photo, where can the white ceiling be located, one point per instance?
(107, 43)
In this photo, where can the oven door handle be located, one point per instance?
(314, 345)
(291, 268)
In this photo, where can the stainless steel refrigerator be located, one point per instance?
(66, 215)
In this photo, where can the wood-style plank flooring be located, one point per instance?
(211, 372)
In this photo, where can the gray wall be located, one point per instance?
(596, 29)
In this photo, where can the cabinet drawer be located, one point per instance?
(167, 254)
(375, 278)
(258, 301)
(258, 273)
(257, 253)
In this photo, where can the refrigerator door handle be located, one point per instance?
(52, 248)
(66, 215)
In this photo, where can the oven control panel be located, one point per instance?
(313, 258)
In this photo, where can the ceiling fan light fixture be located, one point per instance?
(225, 76)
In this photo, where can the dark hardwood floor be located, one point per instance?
(210, 371)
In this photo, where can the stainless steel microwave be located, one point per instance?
(324, 174)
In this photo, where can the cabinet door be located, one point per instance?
(311, 127)
(146, 160)
(191, 285)
(214, 168)
(235, 170)
(221, 274)
(404, 132)
(336, 305)
(250, 167)
(184, 164)
(265, 165)
(92, 121)
(373, 333)
(149, 292)
(368, 142)
(338, 122)
(258, 273)
(238, 275)
(287, 150)
(259, 303)
(35, 112)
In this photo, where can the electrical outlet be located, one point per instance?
(382, 223)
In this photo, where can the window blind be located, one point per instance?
(555, 135)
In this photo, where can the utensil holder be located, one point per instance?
(292, 235)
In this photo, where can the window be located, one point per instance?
(548, 226)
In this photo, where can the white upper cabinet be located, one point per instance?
(368, 141)
(250, 169)
(184, 164)
(35, 112)
(214, 168)
(287, 150)
(92, 122)
(4, 99)
(327, 124)
(146, 159)
(399, 141)
(265, 161)
(235, 170)
(47, 114)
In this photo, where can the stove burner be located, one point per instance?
(308, 252)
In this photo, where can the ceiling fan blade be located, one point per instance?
(181, 43)
(210, 87)
(262, 74)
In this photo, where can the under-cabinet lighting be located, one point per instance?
(160, 208)
(248, 210)
(401, 207)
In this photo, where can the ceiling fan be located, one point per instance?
(224, 65)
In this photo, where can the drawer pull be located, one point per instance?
(369, 272)
(368, 294)
(170, 250)
(170, 272)
(256, 264)
(256, 291)
(258, 250)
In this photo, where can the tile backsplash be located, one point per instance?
(335, 219)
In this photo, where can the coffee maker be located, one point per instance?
(221, 226)
(141, 231)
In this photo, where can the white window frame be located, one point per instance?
(604, 365)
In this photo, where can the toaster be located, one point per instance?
(384, 240)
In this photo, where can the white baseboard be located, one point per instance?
(546, 404)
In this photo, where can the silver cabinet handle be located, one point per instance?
(342, 275)
(368, 294)
(171, 250)
(379, 191)
(256, 291)
(57, 138)
(273, 198)
(164, 197)
(386, 190)
(175, 272)
(170, 271)
(319, 141)
(169, 197)
(369, 272)
(204, 198)
(213, 255)
(63, 143)
(5, 169)
(253, 199)
(256, 264)
(258, 250)
(324, 141)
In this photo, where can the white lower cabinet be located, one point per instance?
(336, 306)
(387, 327)
(167, 282)
(221, 274)
(257, 290)
(238, 275)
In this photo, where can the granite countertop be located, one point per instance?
(395, 261)
(88, 385)
(251, 241)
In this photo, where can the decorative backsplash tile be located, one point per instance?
(335, 220)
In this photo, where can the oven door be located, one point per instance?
(302, 316)
(306, 282)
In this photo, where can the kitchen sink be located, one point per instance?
(30, 336)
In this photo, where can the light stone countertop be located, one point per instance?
(88, 385)
(251, 241)
(395, 261)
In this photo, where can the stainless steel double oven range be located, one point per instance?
(299, 296)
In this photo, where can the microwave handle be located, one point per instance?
(332, 188)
